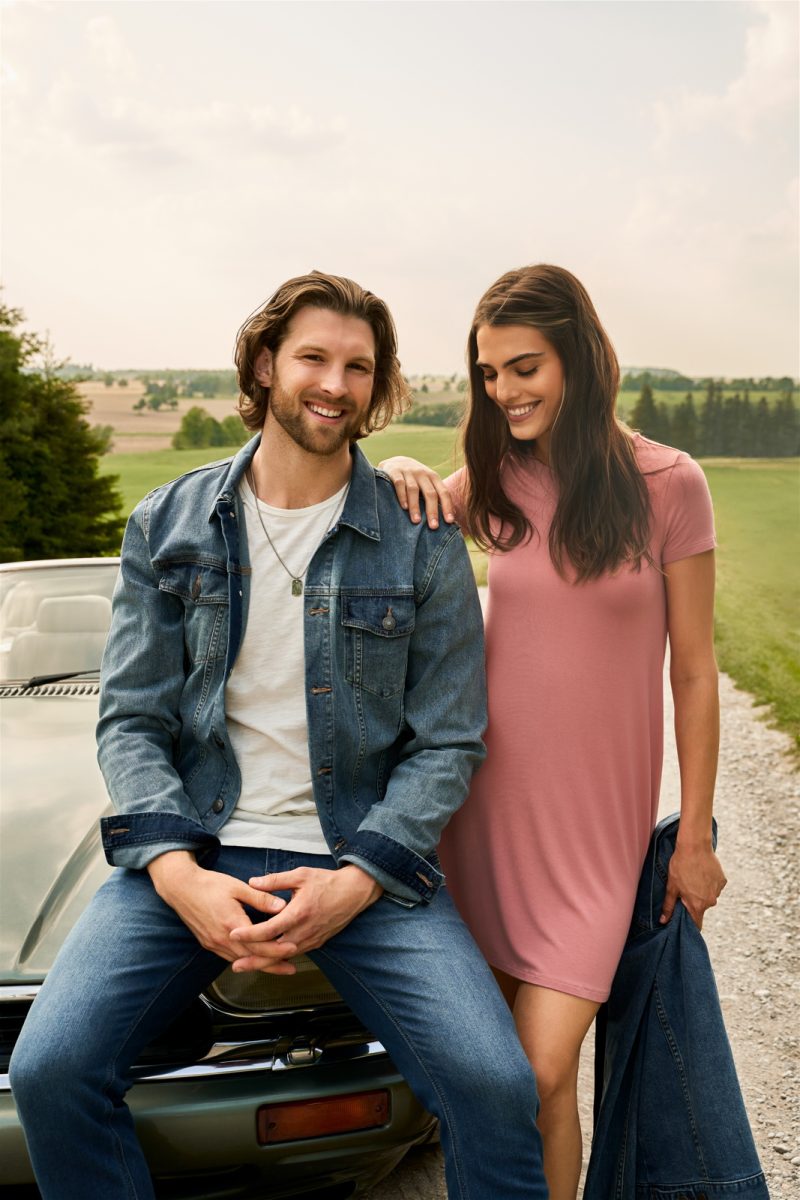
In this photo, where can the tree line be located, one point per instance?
(717, 424)
(673, 381)
(721, 426)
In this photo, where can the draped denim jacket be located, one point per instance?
(672, 1123)
(395, 690)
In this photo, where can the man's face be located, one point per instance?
(320, 379)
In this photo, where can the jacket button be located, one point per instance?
(218, 805)
(218, 741)
(389, 621)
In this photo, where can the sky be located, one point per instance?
(166, 165)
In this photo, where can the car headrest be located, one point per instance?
(74, 614)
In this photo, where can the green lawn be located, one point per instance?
(757, 506)
(758, 524)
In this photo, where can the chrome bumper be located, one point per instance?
(229, 1058)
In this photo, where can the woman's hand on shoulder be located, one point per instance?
(417, 485)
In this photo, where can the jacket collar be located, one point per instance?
(360, 511)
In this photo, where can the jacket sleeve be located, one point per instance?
(445, 717)
(142, 681)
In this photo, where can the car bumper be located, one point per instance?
(197, 1127)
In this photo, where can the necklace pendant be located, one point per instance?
(297, 587)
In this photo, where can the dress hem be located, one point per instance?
(597, 996)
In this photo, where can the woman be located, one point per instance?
(601, 545)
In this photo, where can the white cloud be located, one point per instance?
(766, 86)
(109, 49)
(103, 99)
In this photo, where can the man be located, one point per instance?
(292, 706)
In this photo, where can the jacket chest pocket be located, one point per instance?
(377, 631)
(204, 592)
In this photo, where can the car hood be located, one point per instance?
(51, 798)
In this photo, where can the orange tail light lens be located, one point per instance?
(299, 1119)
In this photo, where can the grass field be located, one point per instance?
(758, 525)
(757, 507)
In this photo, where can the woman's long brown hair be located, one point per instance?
(602, 516)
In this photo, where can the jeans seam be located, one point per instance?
(378, 1000)
(113, 1074)
(663, 1021)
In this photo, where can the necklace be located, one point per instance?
(297, 579)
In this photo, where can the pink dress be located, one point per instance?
(545, 855)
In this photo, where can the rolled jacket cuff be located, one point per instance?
(134, 839)
(403, 874)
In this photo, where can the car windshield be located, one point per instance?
(54, 619)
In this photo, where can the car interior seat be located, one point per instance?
(69, 635)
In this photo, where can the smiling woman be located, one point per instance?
(600, 546)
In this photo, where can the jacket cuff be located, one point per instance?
(135, 839)
(402, 873)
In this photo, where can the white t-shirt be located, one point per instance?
(265, 701)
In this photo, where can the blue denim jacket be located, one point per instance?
(395, 689)
(672, 1124)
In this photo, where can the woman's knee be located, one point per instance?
(556, 1080)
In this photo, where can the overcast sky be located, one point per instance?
(167, 164)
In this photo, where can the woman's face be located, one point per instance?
(523, 375)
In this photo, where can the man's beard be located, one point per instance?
(288, 411)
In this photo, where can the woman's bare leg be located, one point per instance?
(551, 1027)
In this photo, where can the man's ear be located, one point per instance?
(262, 368)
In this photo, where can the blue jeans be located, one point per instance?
(412, 975)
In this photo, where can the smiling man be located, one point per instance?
(292, 707)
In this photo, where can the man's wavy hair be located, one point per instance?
(267, 327)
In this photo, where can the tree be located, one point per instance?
(159, 394)
(198, 429)
(55, 502)
(193, 432)
(644, 410)
(233, 431)
(710, 438)
(683, 428)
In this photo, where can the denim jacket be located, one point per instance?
(672, 1123)
(395, 689)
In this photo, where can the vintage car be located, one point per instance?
(266, 1086)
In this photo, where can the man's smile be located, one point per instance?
(320, 410)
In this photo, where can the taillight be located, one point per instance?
(300, 1119)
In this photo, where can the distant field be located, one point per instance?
(757, 505)
(143, 431)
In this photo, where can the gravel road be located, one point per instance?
(752, 937)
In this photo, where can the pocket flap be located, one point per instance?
(195, 581)
(386, 616)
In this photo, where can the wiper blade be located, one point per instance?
(37, 680)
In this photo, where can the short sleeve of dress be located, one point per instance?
(457, 483)
(688, 518)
